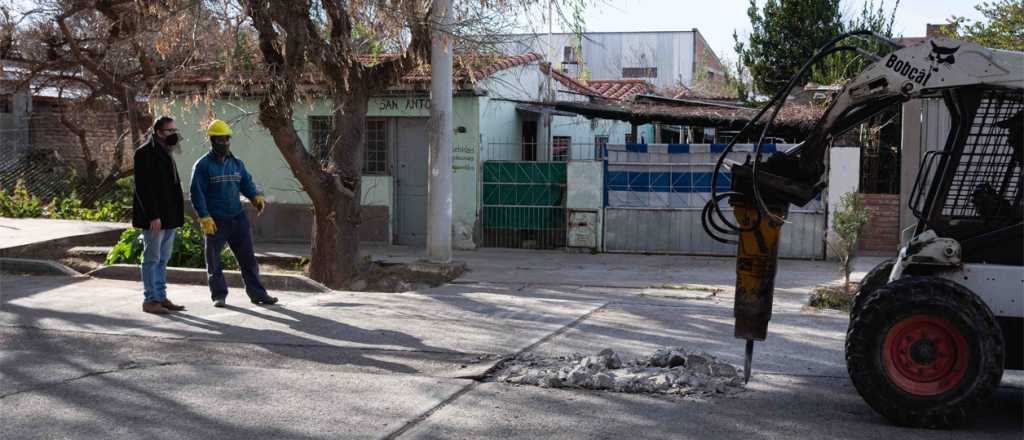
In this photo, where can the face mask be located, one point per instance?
(221, 148)
(171, 140)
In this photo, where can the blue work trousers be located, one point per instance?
(237, 233)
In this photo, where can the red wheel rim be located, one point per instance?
(925, 355)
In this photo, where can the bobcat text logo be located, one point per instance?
(917, 75)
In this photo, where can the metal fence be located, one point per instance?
(523, 204)
(654, 195)
(562, 150)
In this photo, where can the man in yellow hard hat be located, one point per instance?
(218, 178)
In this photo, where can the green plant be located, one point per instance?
(19, 203)
(188, 249)
(1003, 26)
(847, 223)
(70, 208)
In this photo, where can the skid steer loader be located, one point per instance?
(932, 330)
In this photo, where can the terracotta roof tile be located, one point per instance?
(569, 82)
(468, 69)
(620, 89)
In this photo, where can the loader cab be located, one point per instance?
(971, 190)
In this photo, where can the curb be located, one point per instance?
(188, 275)
(55, 248)
(37, 267)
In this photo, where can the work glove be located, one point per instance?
(259, 203)
(208, 225)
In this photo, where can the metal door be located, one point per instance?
(411, 181)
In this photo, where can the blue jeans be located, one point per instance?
(237, 233)
(157, 247)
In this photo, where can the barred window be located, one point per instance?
(375, 153)
(375, 157)
(600, 146)
(319, 131)
(560, 152)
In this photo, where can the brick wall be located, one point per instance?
(882, 234)
(705, 58)
(101, 126)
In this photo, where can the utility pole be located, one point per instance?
(439, 182)
(551, 83)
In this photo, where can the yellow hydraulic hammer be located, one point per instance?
(756, 261)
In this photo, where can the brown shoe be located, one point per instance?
(171, 306)
(154, 308)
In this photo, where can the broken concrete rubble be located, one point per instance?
(668, 370)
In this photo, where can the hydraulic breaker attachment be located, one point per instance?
(756, 261)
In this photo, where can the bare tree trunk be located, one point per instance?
(335, 247)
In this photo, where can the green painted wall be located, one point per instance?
(252, 143)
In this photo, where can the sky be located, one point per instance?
(716, 19)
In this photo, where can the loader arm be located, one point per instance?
(797, 176)
(763, 190)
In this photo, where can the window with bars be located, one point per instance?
(629, 139)
(560, 148)
(319, 130)
(375, 153)
(600, 146)
(375, 157)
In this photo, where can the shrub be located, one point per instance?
(188, 250)
(847, 223)
(19, 203)
(115, 207)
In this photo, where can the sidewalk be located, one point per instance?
(555, 267)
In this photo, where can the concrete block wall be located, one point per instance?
(882, 234)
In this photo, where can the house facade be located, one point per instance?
(496, 118)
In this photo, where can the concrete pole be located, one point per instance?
(439, 182)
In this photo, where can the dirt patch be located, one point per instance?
(81, 265)
(404, 277)
(833, 296)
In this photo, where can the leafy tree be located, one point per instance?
(1003, 26)
(785, 34)
(842, 66)
(110, 54)
(736, 75)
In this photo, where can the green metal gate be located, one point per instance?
(524, 204)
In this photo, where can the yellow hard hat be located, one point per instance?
(218, 128)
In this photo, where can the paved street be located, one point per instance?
(80, 360)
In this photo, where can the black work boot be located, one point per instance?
(266, 300)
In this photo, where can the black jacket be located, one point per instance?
(157, 188)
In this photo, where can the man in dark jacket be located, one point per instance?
(158, 209)
(218, 179)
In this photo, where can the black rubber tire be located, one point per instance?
(934, 297)
(877, 277)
